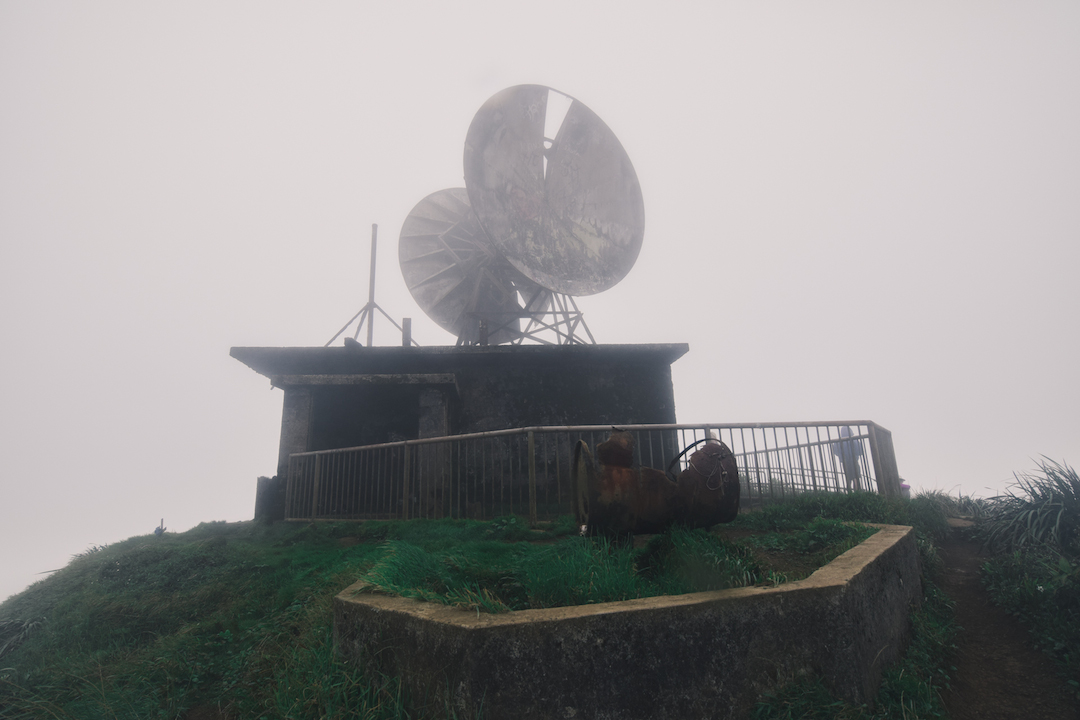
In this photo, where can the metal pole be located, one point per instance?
(405, 486)
(371, 285)
(885, 472)
(532, 478)
(315, 488)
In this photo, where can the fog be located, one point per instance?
(853, 211)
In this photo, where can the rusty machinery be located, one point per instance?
(615, 496)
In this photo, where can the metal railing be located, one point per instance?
(526, 471)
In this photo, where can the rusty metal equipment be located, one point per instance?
(615, 497)
(551, 209)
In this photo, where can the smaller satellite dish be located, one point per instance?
(458, 278)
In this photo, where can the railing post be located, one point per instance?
(885, 471)
(810, 460)
(315, 488)
(532, 478)
(405, 485)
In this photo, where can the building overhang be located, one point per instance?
(364, 362)
(442, 379)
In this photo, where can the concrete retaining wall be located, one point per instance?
(703, 655)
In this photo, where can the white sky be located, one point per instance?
(853, 211)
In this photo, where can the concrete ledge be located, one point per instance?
(383, 379)
(703, 655)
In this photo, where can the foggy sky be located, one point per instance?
(852, 212)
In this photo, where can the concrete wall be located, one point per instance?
(351, 396)
(690, 656)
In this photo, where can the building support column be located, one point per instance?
(433, 472)
(296, 415)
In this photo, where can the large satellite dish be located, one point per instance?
(552, 209)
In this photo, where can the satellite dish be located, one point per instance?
(455, 274)
(551, 209)
(557, 195)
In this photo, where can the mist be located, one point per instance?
(851, 212)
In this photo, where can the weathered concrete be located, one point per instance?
(297, 413)
(269, 498)
(351, 395)
(704, 655)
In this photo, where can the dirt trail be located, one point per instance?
(999, 674)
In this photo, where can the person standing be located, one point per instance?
(850, 451)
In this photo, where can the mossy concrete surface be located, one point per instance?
(702, 655)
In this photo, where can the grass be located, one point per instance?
(1042, 588)
(498, 577)
(231, 616)
(1034, 530)
(957, 506)
(237, 616)
(1040, 509)
(923, 512)
(683, 561)
(911, 688)
(817, 536)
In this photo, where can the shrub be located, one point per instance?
(959, 506)
(1040, 508)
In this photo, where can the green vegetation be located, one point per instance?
(1033, 531)
(956, 506)
(497, 577)
(910, 689)
(231, 616)
(1035, 575)
(1042, 588)
(1041, 509)
(237, 617)
(923, 512)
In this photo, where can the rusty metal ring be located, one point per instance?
(690, 447)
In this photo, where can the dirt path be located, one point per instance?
(999, 674)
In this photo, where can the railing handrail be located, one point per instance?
(485, 473)
(599, 428)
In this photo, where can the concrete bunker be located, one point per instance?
(708, 654)
(350, 396)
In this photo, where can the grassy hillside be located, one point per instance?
(234, 620)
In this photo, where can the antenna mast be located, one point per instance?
(367, 313)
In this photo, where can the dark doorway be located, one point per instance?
(364, 415)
